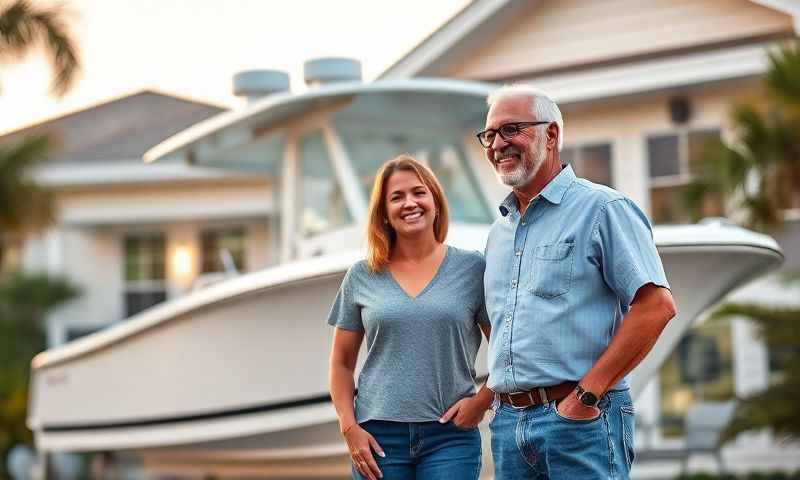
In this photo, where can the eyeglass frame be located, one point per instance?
(519, 126)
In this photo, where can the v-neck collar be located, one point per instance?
(430, 283)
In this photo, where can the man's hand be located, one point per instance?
(571, 408)
(467, 412)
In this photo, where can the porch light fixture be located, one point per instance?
(182, 261)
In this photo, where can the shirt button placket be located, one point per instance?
(511, 299)
(519, 246)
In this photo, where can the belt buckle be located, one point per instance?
(515, 407)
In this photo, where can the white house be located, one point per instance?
(130, 235)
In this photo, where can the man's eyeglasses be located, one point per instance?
(506, 132)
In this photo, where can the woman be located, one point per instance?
(420, 304)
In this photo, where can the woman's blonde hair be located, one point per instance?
(381, 237)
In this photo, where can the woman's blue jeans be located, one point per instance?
(538, 443)
(425, 450)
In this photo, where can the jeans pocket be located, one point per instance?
(628, 430)
(551, 273)
(578, 421)
(460, 429)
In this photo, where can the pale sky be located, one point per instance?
(192, 48)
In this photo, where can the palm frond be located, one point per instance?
(776, 325)
(775, 408)
(31, 294)
(753, 131)
(783, 76)
(23, 27)
(26, 204)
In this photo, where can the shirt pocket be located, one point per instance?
(551, 275)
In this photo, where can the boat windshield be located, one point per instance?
(370, 147)
(324, 206)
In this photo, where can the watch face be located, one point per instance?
(589, 399)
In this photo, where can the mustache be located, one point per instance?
(508, 150)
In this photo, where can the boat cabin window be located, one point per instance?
(324, 206)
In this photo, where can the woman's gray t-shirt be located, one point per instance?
(420, 351)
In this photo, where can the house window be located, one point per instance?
(324, 206)
(145, 279)
(781, 359)
(592, 162)
(672, 160)
(223, 250)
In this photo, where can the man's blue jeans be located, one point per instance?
(425, 450)
(537, 443)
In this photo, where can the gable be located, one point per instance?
(564, 34)
(121, 129)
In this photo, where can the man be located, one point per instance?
(577, 296)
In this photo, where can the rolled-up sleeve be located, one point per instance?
(345, 313)
(622, 241)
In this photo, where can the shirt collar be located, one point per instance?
(553, 192)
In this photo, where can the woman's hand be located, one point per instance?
(360, 444)
(467, 412)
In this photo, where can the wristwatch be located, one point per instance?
(586, 397)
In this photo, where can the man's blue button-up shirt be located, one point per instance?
(560, 278)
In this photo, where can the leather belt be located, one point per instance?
(537, 396)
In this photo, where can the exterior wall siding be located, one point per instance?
(116, 205)
(626, 124)
(567, 33)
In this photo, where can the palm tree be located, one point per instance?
(24, 27)
(759, 176)
(26, 205)
(783, 75)
(775, 408)
(25, 299)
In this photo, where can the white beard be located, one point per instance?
(530, 163)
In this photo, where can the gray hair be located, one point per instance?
(542, 106)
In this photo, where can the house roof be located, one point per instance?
(119, 129)
(458, 37)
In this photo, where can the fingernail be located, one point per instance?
(383, 455)
(441, 420)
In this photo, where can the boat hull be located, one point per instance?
(234, 378)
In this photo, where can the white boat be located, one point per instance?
(231, 380)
